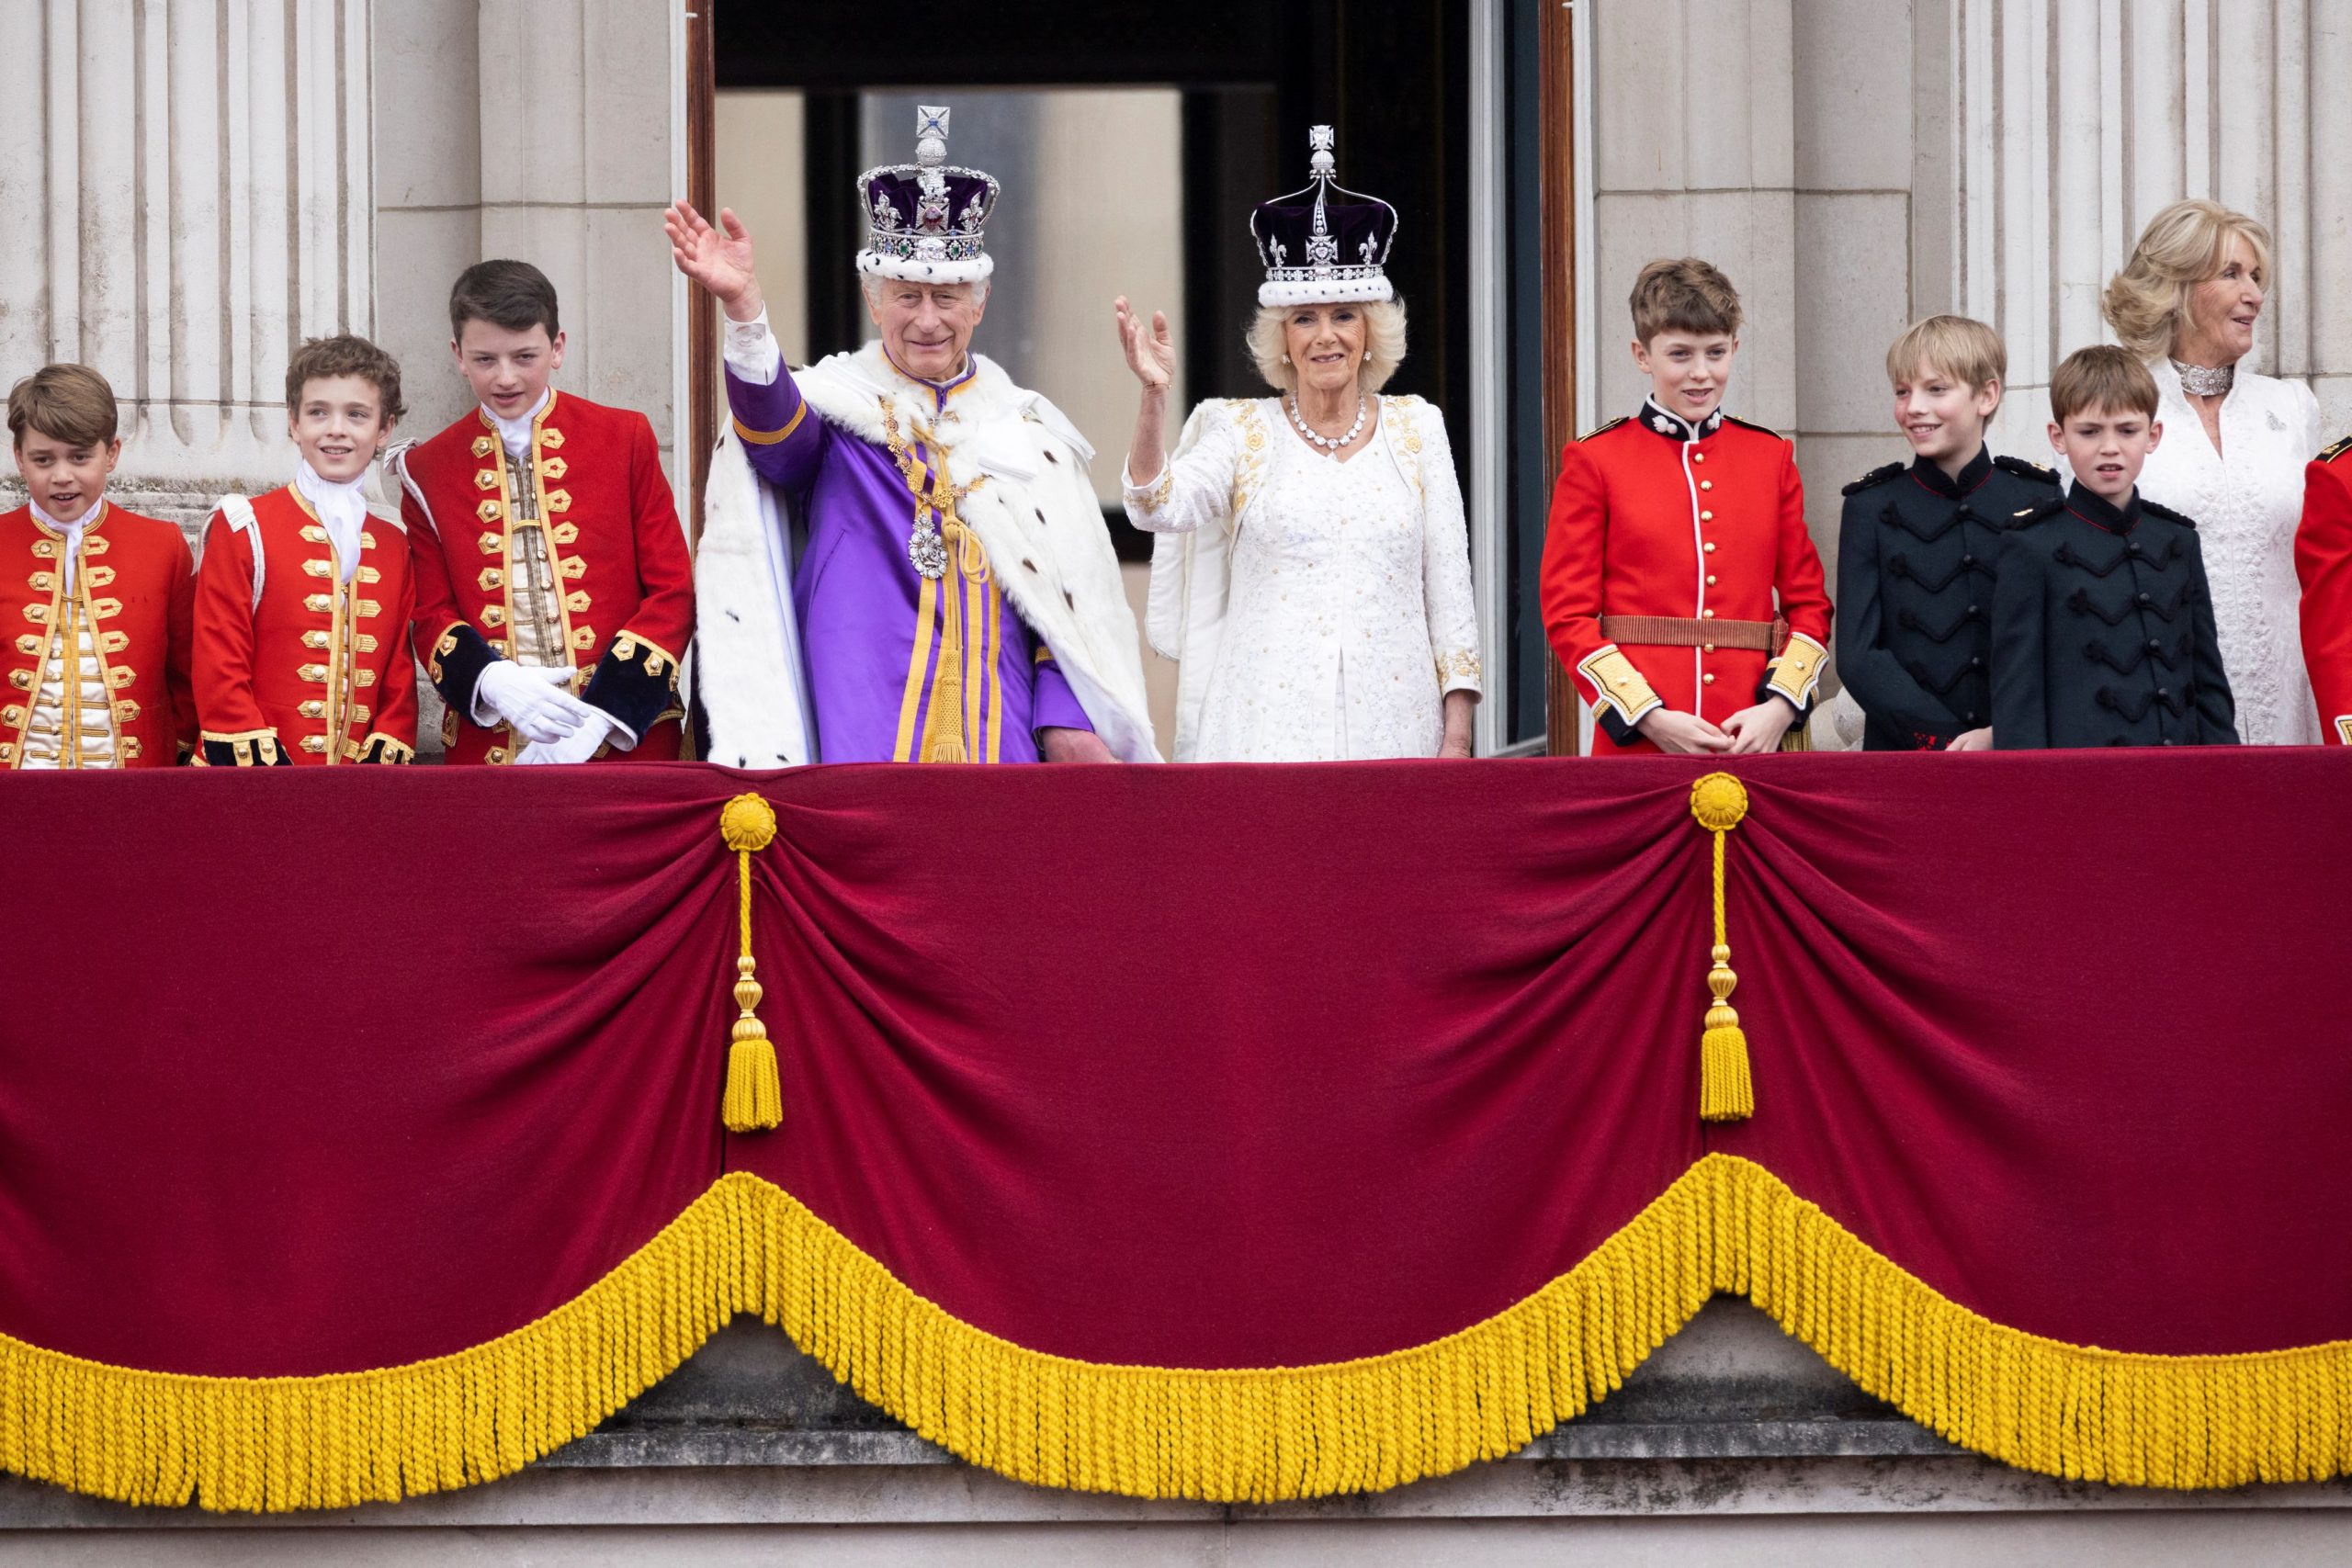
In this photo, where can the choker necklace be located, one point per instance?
(1325, 442)
(2205, 380)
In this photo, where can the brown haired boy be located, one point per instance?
(1678, 582)
(1916, 546)
(303, 604)
(2102, 622)
(98, 609)
(555, 595)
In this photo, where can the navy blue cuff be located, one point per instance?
(458, 659)
(258, 750)
(1612, 723)
(636, 682)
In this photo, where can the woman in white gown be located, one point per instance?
(2233, 448)
(1312, 574)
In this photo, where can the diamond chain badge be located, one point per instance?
(927, 551)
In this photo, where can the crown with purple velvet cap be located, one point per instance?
(926, 217)
(1325, 244)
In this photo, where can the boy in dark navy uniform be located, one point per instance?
(1916, 548)
(2102, 620)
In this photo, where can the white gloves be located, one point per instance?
(538, 703)
(579, 746)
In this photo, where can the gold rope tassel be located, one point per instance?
(1726, 1093)
(755, 1094)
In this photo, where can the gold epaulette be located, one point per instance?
(2338, 450)
(1604, 429)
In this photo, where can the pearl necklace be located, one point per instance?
(2205, 380)
(1327, 442)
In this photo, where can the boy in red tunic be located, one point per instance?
(96, 604)
(555, 594)
(303, 603)
(1679, 583)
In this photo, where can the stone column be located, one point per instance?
(187, 189)
(1694, 154)
(579, 156)
(542, 132)
(1855, 147)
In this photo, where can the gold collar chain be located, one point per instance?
(926, 543)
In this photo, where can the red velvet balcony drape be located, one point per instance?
(1237, 1131)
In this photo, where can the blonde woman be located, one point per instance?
(1312, 575)
(2233, 446)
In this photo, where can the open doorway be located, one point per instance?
(1133, 139)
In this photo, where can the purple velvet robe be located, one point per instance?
(870, 635)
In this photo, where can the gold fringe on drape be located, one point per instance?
(1252, 1435)
(330, 1441)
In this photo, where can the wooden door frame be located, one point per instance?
(1556, 39)
(702, 311)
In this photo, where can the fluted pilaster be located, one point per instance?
(187, 188)
(2081, 118)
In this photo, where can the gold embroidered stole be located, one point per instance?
(963, 719)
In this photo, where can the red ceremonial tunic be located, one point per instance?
(607, 531)
(2323, 563)
(1661, 521)
(134, 591)
(293, 664)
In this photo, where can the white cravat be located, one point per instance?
(342, 509)
(515, 435)
(73, 532)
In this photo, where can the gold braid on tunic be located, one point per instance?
(72, 724)
(537, 633)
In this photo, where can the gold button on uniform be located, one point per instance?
(1707, 517)
(1707, 679)
(1710, 580)
(1710, 547)
(1706, 614)
(1706, 484)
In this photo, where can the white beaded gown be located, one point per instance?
(2246, 501)
(1343, 605)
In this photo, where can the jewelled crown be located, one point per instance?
(1324, 243)
(926, 217)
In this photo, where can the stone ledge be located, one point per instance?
(689, 1447)
(1730, 1417)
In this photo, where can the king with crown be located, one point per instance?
(902, 557)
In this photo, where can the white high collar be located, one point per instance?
(73, 532)
(342, 509)
(515, 435)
